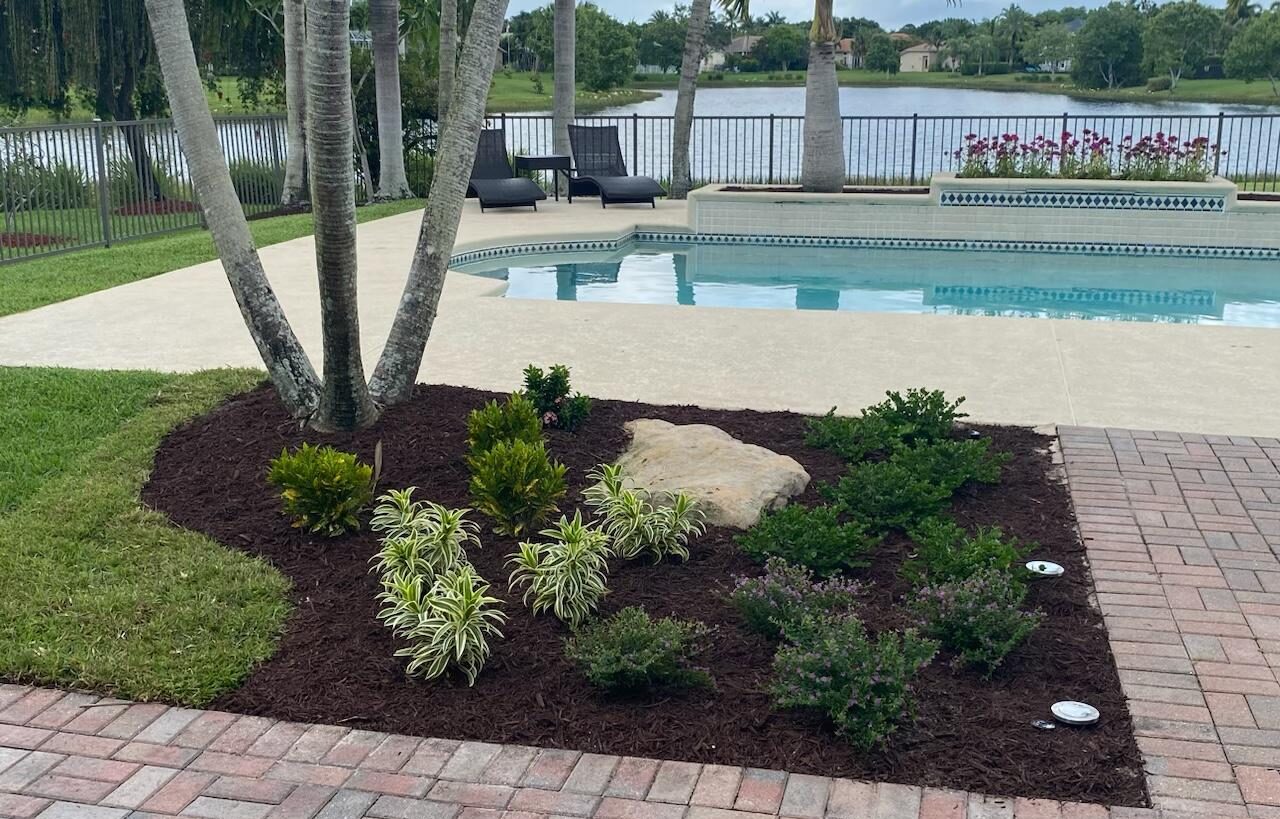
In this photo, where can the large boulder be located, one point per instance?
(732, 482)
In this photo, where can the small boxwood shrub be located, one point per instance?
(887, 495)
(784, 594)
(631, 652)
(952, 464)
(516, 420)
(549, 392)
(946, 553)
(322, 489)
(920, 416)
(862, 685)
(517, 484)
(980, 618)
(851, 437)
(814, 538)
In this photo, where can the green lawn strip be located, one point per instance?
(98, 593)
(34, 283)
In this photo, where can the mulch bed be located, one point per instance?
(335, 662)
(158, 207)
(30, 240)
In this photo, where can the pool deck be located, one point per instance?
(1210, 379)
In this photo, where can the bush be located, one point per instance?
(993, 69)
(952, 464)
(549, 392)
(978, 618)
(630, 652)
(886, 495)
(862, 685)
(517, 484)
(27, 184)
(784, 594)
(256, 184)
(516, 420)
(566, 575)
(424, 539)
(919, 416)
(323, 490)
(635, 524)
(851, 437)
(1157, 84)
(813, 538)
(946, 553)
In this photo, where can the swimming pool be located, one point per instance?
(1042, 285)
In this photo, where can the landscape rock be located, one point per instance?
(731, 481)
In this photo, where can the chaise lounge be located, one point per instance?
(600, 169)
(494, 182)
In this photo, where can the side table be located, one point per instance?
(558, 164)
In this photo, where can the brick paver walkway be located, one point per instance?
(1182, 532)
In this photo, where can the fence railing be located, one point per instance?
(81, 185)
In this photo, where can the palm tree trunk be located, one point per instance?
(286, 361)
(295, 105)
(344, 400)
(384, 20)
(822, 167)
(448, 57)
(397, 370)
(564, 44)
(685, 93)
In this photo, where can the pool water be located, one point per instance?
(1042, 285)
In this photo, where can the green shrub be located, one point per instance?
(635, 524)
(447, 627)
(256, 184)
(862, 685)
(424, 539)
(946, 553)
(517, 484)
(27, 184)
(516, 420)
(886, 495)
(549, 392)
(851, 437)
(1157, 84)
(631, 652)
(566, 575)
(920, 415)
(323, 490)
(814, 538)
(978, 618)
(784, 594)
(952, 464)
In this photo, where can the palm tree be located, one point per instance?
(699, 13)
(293, 190)
(564, 46)
(384, 24)
(1240, 10)
(448, 57)
(822, 165)
(342, 400)
(1014, 25)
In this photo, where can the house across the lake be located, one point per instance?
(924, 57)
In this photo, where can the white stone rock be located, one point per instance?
(731, 481)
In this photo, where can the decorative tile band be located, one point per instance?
(1082, 200)
(986, 245)
(1199, 300)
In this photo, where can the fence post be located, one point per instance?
(1217, 145)
(772, 122)
(1064, 124)
(915, 125)
(104, 182)
(635, 143)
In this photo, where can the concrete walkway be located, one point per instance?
(1027, 371)
(1182, 534)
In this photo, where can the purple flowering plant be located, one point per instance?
(1091, 155)
(979, 619)
(785, 593)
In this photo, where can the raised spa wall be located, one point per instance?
(1102, 216)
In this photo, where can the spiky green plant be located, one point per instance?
(422, 538)
(635, 524)
(453, 630)
(402, 600)
(568, 573)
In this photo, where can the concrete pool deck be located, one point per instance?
(1210, 379)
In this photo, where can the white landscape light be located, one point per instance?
(1045, 568)
(1071, 712)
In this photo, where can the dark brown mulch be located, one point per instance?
(30, 240)
(282, 210)
(157, 207)
(335, 662)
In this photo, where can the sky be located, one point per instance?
(888, 14)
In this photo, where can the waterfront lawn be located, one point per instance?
(34, 283)
(517, 93)
(96, 591)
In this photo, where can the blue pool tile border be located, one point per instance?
(989, 245)
(1091, 200)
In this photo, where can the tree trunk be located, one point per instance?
(397, 370)
(294, 190)
(681, 179)
(822, 168)
(448, 58)
(344, 399)
(286, 361)
(384, 20)
(362, 153)
(564, 88)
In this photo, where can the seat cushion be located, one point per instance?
(515, 191)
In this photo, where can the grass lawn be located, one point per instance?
(224, 98)
(35, 283)
(517, 93)
(95, 591)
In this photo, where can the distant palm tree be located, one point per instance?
(1240, 10)
(1014, 25)
(773, 18)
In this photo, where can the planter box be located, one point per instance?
(1217, 195)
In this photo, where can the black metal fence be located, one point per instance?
(91, 184)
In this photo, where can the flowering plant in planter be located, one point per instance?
(1160, 157)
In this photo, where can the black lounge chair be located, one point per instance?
(494, 182)
(599, 168)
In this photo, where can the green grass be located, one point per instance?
(34, 283)
(517, 93)
(97, 592)
(224, 98)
